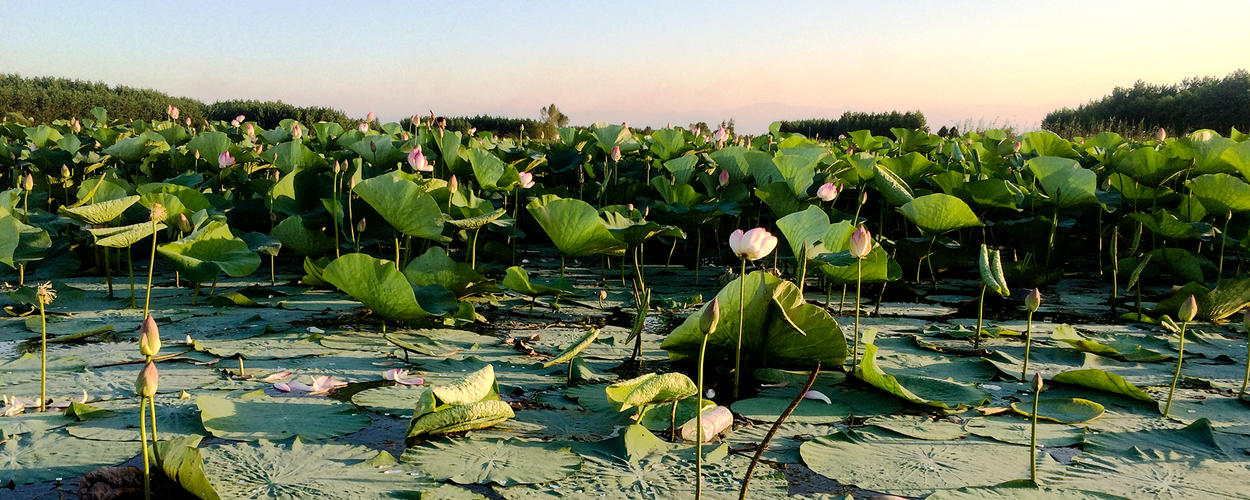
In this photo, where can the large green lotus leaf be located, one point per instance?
(25, 368)
(124, 236)
(294, 469)
(378, 150)
(574, 349)
(472, 388)
(667, 143)
(175, 418)
(518, 280)
(779, 199)
(1102, 380)
(572, 424)
(684, 341)
(492, 173)
(502, 462)
(1063, 410)
(1135, 192)
(658, 475)
(209, 250)
(376, 284)
(1206, 147)
(181, 461)
(267, 346)
(887, 462)
(290, 156)
(1018, 431)
(635, 232)
(102, 188)
(293, 234)
(784, 447)
(21, 243)
(175, 198)
(910, 167)
(262, 417)
(1165, 224)
(434, 267)
(919, 427)
(892, 187)
(798, 171)
(808, 227)
(448, 143)
(1155, 474)
(1046, 143)
(1238, 155)
(1199, 439)
(1221, 193)
(133, 149)
(682, 168)
(1064, 181)
(99, 213)
(209, 144)
(36, 457)
(842, 268)
(1150, 166)
(649, 389)
(34, 423)
(802, 333)
(939, 213)
(396, 400)
(809, 411)
(574, 226)
(916, 389)
(459, 418)
(403, 204)
(1119, 347)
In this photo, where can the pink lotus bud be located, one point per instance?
(724, 178)
(146, 382)
(1015, 148)
(720, 135)
(64, 172)
(1189, 309)
(363, 127)
(753, 244)
(149, 337)
(1037, 382)
(184, 225)
(453, 185)
(1161, 135)
(75, 125)
(828, 191)
(251, 130)
(224, 159)
(556, 137)
(710, 318)
(351, 183)
(404, 136)
(188, 122)
(28, 182)
(418, 161)
(861, 242)
(863, 197)
(616, 153)
(172, 111)
(370, 117)
(296, 132)
(1033, 300)
(472, 130)
(360, 226)
(527, 180)
(337, 167)
(240, 118)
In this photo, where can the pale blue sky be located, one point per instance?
(641, 62)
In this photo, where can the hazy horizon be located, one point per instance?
(646, 63)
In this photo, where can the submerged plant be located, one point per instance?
(861, 246)
(1031, 302)
(45, 296)
(751, 245)
(1188, 309)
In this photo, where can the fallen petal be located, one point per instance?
(313, 329)
(817, 395)
(282, 386)
(276, 376)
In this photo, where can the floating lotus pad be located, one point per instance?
(1063, 410)
(43, 456)
(502, 462)
(254, 417)
(1018, 431)
(396, 400)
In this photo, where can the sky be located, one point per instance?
(965, 63)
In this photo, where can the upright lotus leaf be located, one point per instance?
(99, 213)
(517, 280)
(403, 204)
(503, 462)
(892, 187)
(460, 418)
(916, 389)
(684, 341)
(634, 232)
(175, 198)
(377, 150)
(798, 170)
(1101, 380)
(667, 143)
(20, 243)
(434, 267)
(1064, 181)
(807, 227)
(999, 193)
(472, 388)
(124, 236)
(841, 268)
(608, 136)
(1238, 155)
(734, 159)
(802, 333)
(295, 235)
(939, 213)
(209, 144)
(779, 198)
(682, 168)
(1207, 148)
(1136, 192)
(573, 349)
(675, 193)
(448, 143)
(1047, 143)
(134, 149)
(1150, 166)
(910, 167)
(211, 249)
(1221, 193)
(1165, 224)
(650, 389)
(290, 156)
(1227, 298)
(492, 174)
(574, 226)
(990, 264)
(376, 284)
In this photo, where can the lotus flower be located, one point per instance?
(75, 125)
(720, 135)
(828, 191)
(363, 127)
(224, 159)
(251, 130)
(712, 421)
(172, 111)
(28, 182)
(710, 318)
(527, 180)
(321, 385)
(1015, 148)
(752, 245)
(453, 185)
(1161, 135)
(149, 337)
(404, 136)
(145, 384)
(297, 132)
(370, 117)
(184, 225)
(724, 178)
(400, 375)
(861, 243)
(472, 130)
(1033, 300)
(1037, 382)
(1188, 309)
(418, 161)
(616, 154)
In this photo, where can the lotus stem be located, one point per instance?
(1115, 266)
(698, 428)
(147, 299)
(772, 431)
(108, 272)
(976, 339)
(240, 357)
(351, 224)
(1180, 358)
(473, 250)
(672, 421)
(801, 268)
(43, 356)
(742, 303)
(1242, 393)
(562, 265)
(568, 382)
(859, 275)
(1223, 241)
(1054, 226)
(143, 437)
(334, 217)
(273, 280)
(213, 288)
(698, 254)
(152, 410)
(396, 251)
(195, 296)
(842, 300)
(1028, 344)
(21, 274)
(130, 268)
(1037, 395)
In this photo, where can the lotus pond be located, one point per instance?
(415, 312)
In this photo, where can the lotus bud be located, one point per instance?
(861, 242)
(145, 384)
(404, 136)
(360, 226)
(338, 167)
(603, 295)
(720, 135)
(453, 185)
(1037, 382)
(646, 211)
(1015, 148)
(197, 155)
(296, 132)
(527, 180)
(235, 123)
(64, 172)
(173, 112)
(188, 122)
(629, 207)
(616, 153)
(276, 175)
(472, 130)
(363, 127)
(251, 130)
(28, 182)
(157, 213)
(75, 125)
(1189, 309)
(45, 293)
(713, 422)
(724, 178)
(827, 191)
(418, 161)
(149, 337)
(556, 137)
(1033, 300)
(184, 225)
(710, 318)
(1161, 135)
(351, 183)
(752, 245)
(863, 198)
(370, 117)
(224, 159)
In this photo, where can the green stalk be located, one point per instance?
(1054, 226)
(152, 410)
(147, 301)
(1037, 395)
(143, 437)
(397, 251)
(1180, 357)
(43, 356)
(746, 481)
(130, 268)
(1223, 240)
(742, 292)
(1241, 394)
(698, 432)
(859, 278)
(473, 250)
(334, 199)
(976, 342)
(1028, 344)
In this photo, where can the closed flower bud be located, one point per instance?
(1015, 148)
(64, 172)
(149, 337)
(1037, 382)
(1189, 309)
(827, 191)
(363, 127)
(145, 384)
(370, 117)
(616, 153)
(184, 225)
(453, 185)
(157, 213)
(1161, 135)
(28, 182)
(338, 167)
(724, 178)
(296, 132)
(710, 318)
(225, 160)
(173, 112)
(1033, 300)
(861, 243)
(360, 226)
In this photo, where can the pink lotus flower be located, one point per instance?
(752, 245)
(297, 132)
(616, 154)
(400, 375)
(363, 127)
(418, 161)
(251, 131)
(720, 135)
(403, 136)
(1015, 147)
(1161, 135)
(173, 112)
(370, 117)
(321, 385)
(828, 191)
(238, 120)
(724, 178)
(527, 180)
(861, 243)
(224, 159)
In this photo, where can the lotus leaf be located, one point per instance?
(376, 284)
(574, 226)
(502, 462)
(261, 417)
(44, 456)
(650, 389)
(99, 213)
(939, 213)
(1064, 181)
(404, 204)
(916, 389)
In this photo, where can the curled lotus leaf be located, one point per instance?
(650, 389)
(573, 350)
(479, 415)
